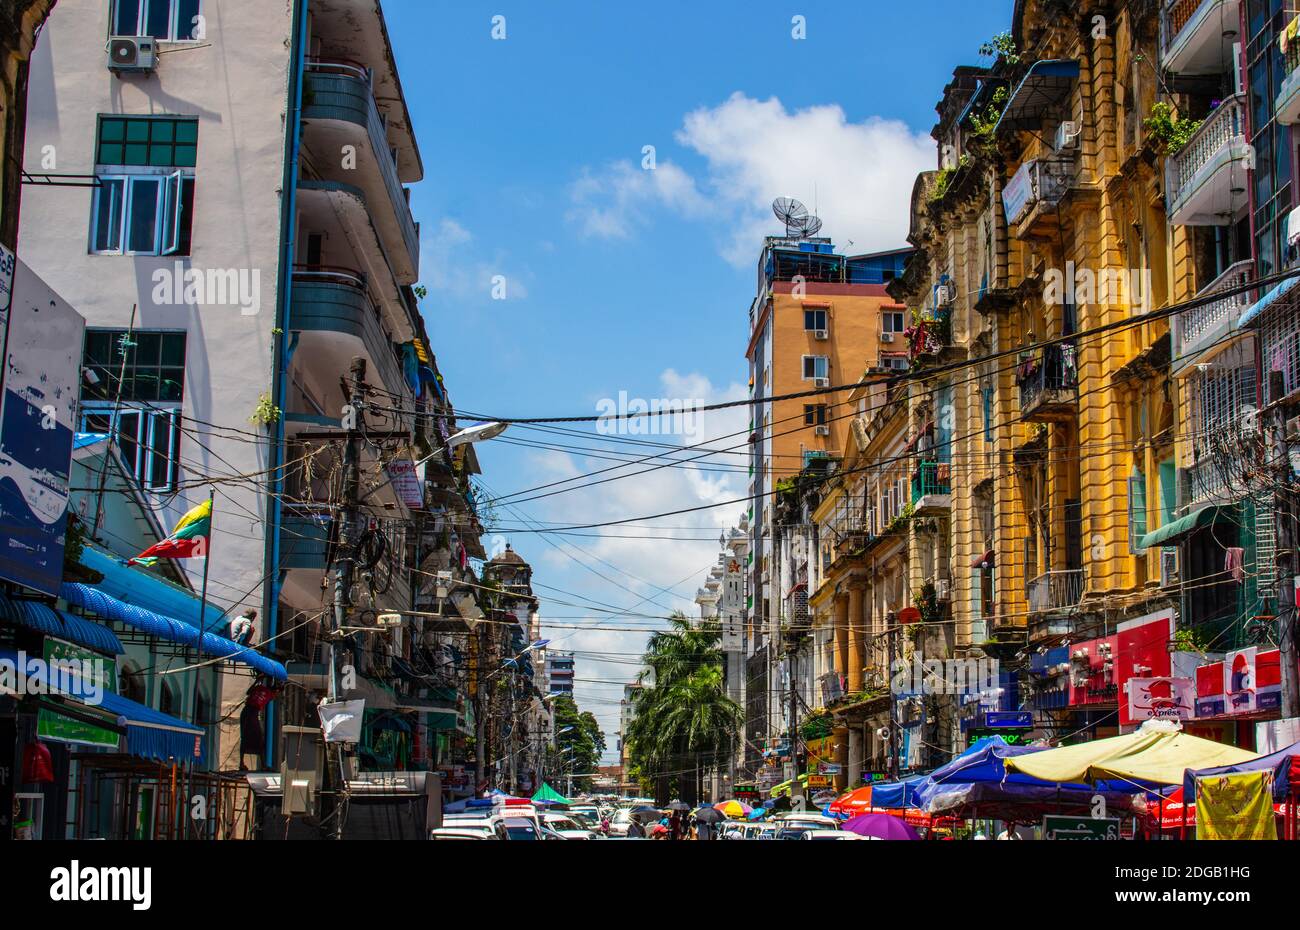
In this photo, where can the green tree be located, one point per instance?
(684, 718)
(580, 742)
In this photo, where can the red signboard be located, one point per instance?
(1100, 669)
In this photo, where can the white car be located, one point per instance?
(806, 822)
(566, 827)
(620, 822)
(463, 833)
(832, 835)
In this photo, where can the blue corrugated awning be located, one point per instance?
(150, 734)
(142, 588)
(1039, 94)
(168, 628)
(61, 624)
(1259, 306)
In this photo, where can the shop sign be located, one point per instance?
(730, 608)
(1009, 719)
(1080, 828)
(1012, 737)
(1015, 196)
(1246, 681)
(54, 726)
(1168, 698)
(818, 781)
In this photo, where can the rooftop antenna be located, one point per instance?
(792, 213)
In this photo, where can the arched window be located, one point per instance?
(168, 701)
(132, 684)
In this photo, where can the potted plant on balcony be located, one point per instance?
(1169, 129)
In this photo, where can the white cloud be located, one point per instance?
(677, 556)
(609, 204)
(451, 265)
(858, 175)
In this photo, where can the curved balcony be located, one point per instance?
(1205, 182)
(339, 111)
(1287, 104)
(335, 321)
(1193, 33)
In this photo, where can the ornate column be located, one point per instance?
(856, 638)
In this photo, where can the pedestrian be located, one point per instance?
(703, 830)
(242, 629)
(252, 741)
(634, 829)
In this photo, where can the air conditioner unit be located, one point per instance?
(886, 337)
(821, 382)
(1249, 421)
(1067, 135)
(943, 590)
(821, 335)
(1169, 567)
(942, 295)
(822, 430)
(132, 53)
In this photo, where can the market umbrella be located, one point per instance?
(1158, 752)
(734, 808)
(881, 826)
(645, 814)
(854, 802)
(757, 813)
(708, 815)
(676, 805)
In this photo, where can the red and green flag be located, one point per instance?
(187, 541)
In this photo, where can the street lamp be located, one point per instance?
(480, 432)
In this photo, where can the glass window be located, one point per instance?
(814, 414)
(171, 20)
(157, 142)
(814, 319)
(815, 366)
(143, 214)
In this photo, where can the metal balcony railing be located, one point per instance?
(1190, 326)
(1055, 590)
(1221, 128)
(926, 481)
(1054, 374)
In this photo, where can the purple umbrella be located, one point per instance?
(881, 826)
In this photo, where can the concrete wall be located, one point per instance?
(235, 82)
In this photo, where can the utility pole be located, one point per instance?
(890, 747)
(1285, 569)
(480, 707)
(344, 564)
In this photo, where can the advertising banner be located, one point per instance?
(1170, 698)
(42, 379)
(731, 606)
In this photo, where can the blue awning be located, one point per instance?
(1041, 93)
(142, 588)
(1262, 304)
(150, 734)
(168, 628)
(61, 624)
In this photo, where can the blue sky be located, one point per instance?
(619, 278)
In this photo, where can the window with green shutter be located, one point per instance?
(147, 142)
(1137, 510)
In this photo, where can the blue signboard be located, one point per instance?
(41, 377)
(1009, 719)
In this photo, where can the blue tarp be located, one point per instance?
(147, 590)
(979, 776)
(60, 624)
(150, 734)
(97, 602)
(1282, 764)
(1262, 304)
(897, 794)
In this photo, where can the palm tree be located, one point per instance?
(683, 713)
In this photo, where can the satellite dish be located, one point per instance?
(792, 213)
(812, 226)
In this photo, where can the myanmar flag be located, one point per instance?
(187, 541)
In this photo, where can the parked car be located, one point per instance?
(566, 827)
(830, 835)
(463, 833)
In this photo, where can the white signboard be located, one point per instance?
(1167, 698)
(7, 264)
(731, 607)
(406, 483)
